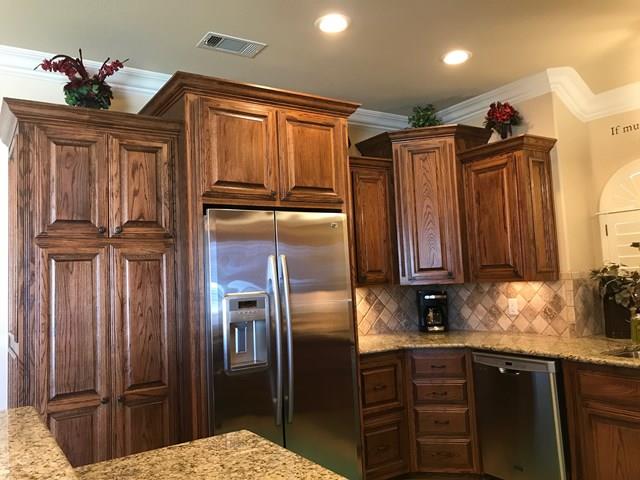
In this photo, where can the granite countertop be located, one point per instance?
(584, 349)
(27, 448)
(237, 455)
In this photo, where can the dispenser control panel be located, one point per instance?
(245, 331)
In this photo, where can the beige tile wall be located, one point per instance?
(566, 308)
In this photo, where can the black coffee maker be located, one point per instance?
(432, 308)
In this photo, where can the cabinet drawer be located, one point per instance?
(386, 447)
(623, 391)
(381, 383)
(431, 421)
(452, 391)
(441, 364)
(445, 455)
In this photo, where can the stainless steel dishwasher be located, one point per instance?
(519, 423)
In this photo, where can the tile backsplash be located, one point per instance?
(566, 308)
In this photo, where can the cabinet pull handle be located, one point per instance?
(273, 193)
(120, 398)
(440, 394)
(382, 448)
(104, 400)
(117, 230)
(438, 366)
(101, 230)
(379, 387)
(442, 454)
(441, 422)
(450, 274)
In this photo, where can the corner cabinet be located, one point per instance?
(430, 220)
(372, 211)
(511, 233)
(92, 323)
(603, 416)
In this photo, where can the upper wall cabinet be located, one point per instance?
(238, 149)
(510, 219)
(428, 193)
(373, 219)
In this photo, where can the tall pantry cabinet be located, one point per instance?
(92, 326)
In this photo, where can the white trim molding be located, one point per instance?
(374, 119)
(565, 82)
(21, 62)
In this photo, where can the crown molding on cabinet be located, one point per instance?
(374, 119)
(565, 82)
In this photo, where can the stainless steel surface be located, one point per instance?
(274, 283)
(519, 422)
(311, 284)
(239, 246)
(632, 351)
(284, 269)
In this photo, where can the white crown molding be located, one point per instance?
(21, 62)
(374, 119)
(565, 82)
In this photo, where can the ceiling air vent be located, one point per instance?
(228, 44)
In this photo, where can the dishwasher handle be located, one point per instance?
(510, 363)
(508, 371)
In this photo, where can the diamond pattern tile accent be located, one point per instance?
(566, 308)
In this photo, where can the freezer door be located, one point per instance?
(243, 377)
(321, 407)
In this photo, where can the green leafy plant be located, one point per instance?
(619, 283)
(424, 116)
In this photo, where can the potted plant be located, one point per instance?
(501, 117)
(620, 291)
(424, 116)
(83, 89)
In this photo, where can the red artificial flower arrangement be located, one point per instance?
(500, 117)
(83, 89)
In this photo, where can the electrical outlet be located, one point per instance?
(513, 306)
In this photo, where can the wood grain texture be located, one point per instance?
(603, 418)
(386, 449)
(141, 185)
(73, 175)
(238, 149)
(313, 156)
(374, 220)
(511, 232)
(73, 349)
(144, 347)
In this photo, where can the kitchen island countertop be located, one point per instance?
(584, 349)
(236, 455)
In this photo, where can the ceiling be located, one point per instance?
(389, 58)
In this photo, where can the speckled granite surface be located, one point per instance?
(27, 449)
(584, 349)
(237, 455)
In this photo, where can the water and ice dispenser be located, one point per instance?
(245, 331)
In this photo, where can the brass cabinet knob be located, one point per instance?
(117, 230)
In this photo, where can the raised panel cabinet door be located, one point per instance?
(237, 148)
(141, 187)
(313, 156)
(428, 213)
(144, 347)
(372, 225)
(72, 176)
(611, 440)
(493, 219)
(73, 350)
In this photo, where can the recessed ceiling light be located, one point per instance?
(333, 23)
(456, 57)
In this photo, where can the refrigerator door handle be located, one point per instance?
(273, 278)
(287, 312)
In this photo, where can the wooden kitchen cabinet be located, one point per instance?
(92, 276)
(384, 409)
(603, 416)
(510, 218)
(373, 220)
(429, 215)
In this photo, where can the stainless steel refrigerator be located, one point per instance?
(281, 353)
